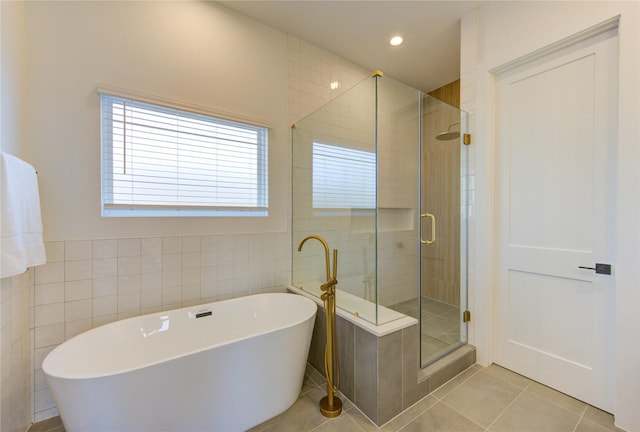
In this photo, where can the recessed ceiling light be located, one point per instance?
(396, 40)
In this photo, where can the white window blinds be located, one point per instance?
(343, 178)
(164, 161)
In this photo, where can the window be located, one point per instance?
(343, 178)
(162, 161)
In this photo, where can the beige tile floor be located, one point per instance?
(479, 399)
(440, 326)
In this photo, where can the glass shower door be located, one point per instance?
(443, 293)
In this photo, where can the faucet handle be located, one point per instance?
(329, 284)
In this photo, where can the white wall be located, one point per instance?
(15, 292)
(195, 52)
(12, 79)
(494, 35)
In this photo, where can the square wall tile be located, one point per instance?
(50, 272)
(171, 296)
(48, 335)
(128, 284)
(105, 286)
(191, 260)
(105, 267)
(128, 265)
(209, 243)
(74, 328)
(128, 247)
(171, 245)
(78, 290)
(150, 298)
(78, 270)
(78, 250)
(151, 246)
(49, 314)
(151, 281)
(190, 244)
(78, 310)
(54, 251)
(151, 263)
(129, 303)
(105, 249)
(105, 306)
(49, 293)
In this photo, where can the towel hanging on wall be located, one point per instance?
(21, 243)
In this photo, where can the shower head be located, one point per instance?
(448, 135)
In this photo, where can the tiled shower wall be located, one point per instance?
(88, 283)
(312, 71)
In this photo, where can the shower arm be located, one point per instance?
(451, 125)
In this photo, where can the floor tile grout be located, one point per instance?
(463, 415)
(454, 388)
(509, 405)
(557, 404)
(584, 410)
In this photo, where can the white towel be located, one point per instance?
(21, 244)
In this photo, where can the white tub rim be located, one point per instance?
(65, 375)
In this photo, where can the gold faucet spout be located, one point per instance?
(326, 251)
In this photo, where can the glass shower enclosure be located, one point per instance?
(378, 172)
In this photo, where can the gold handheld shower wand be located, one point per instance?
(330, 405)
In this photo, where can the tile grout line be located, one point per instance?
(437, 401)
(464, 381)
(354, 420)
(465, 416)
(580, 418)
(508, 406)
(423, 412)
(413, 417)
(557, 404)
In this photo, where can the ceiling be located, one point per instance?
(359, 31)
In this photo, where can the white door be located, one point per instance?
(556, 149)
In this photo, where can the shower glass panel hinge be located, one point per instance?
(466, 316)
(466, 139)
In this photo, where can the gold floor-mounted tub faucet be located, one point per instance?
(330, 405)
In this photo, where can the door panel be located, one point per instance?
(556, 144)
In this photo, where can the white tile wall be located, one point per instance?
(311, 72)
(88, 283)
(16, 380)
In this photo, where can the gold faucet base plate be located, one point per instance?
(330, 411)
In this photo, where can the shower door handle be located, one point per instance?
(433, 228)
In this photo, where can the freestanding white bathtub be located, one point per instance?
(219, 367)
